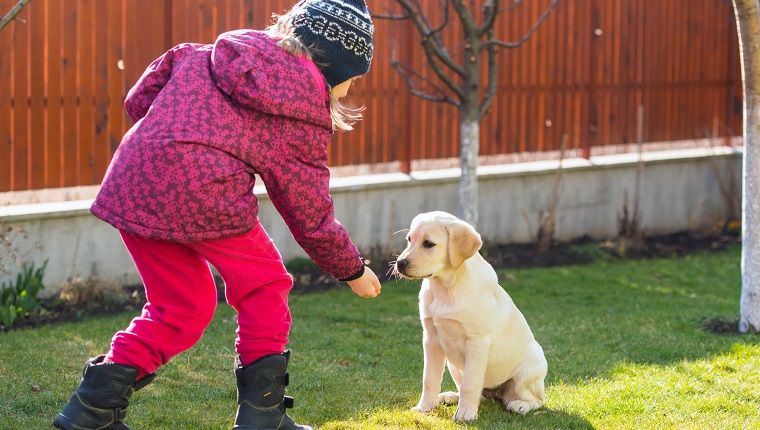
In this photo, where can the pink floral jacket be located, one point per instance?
(209, 117)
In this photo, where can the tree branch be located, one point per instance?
(465, 17)
(412, 77)
(410, 74)
(490, 11)
(15, 10)
(436, 66)
(527, 35)
(429, 38)
(433, 32)
(493, 79)
(390, 16)
(444, 21)
(511, 7)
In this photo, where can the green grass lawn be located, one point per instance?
(622, 338)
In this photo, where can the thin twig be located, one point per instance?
(391, 17)
(558, 174)
(530, 226)
(546, 224)
(527, 35)
(639, 170)
(412, 77)
(511, 7)
(15, 10)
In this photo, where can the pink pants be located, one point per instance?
(182, 297)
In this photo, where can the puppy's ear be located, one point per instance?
(464, 242)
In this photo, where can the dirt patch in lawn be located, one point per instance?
(720, 327)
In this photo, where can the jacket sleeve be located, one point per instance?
(299, 189)
(141, 96)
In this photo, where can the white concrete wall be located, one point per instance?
(679, 191)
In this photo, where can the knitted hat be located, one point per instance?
(340, 35)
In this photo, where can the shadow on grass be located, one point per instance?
(495, 417)
(491, 416)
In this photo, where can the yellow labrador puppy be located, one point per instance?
(469, 322)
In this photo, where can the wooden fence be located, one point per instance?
(65, 71)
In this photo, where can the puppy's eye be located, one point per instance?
(427, 244)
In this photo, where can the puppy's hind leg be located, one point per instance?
(526, 392)
(528, 398)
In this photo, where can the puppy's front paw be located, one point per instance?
(448, 398)
(465, 414)
(424, 406)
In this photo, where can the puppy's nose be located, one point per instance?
(401, 264)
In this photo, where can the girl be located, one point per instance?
(179, 190)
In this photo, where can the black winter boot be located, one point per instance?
(102, 398)
(261, 394)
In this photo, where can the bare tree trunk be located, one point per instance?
(469, 136)
(748, 24)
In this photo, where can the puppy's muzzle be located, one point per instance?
(401, 266)
(406, 269)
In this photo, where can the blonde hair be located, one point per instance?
(343, 116)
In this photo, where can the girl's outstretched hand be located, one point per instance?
(367, 286)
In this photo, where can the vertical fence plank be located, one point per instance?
(680, 70)
(575, 61)
(558, 89)
(54, 108)
(85, 45)
(133, 59)
(662, 57)
(637, 78)
(101, 145)
(248, 8)
(6, 100)
(20, 62)
(734, 73)
(115, 73)
(38, 125)
(70, 81)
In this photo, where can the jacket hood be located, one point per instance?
(251, 69)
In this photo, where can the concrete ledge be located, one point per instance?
(679, 191)
(48, 195)
(36, 211)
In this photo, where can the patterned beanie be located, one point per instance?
(340, 35)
